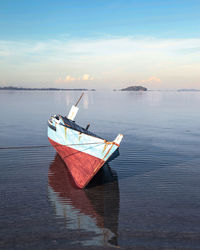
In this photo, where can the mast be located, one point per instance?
(74, 109)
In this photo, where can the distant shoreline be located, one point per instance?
(188, 90)
(43, 89)
(131, 88)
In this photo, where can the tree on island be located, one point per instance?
(134, 88)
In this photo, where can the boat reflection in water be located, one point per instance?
(94, 209)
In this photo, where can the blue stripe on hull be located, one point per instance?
(94, 146)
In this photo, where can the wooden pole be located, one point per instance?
(79, 99)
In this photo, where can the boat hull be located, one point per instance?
(83, 152)
(81, 165)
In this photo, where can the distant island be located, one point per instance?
(134, 88)
(188, 90)
(43, 89)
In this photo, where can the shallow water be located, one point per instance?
(148, 197)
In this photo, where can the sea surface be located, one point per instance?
(147, 198)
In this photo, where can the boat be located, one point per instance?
(83, 152)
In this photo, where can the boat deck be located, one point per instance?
(73, 125)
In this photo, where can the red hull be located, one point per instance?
(82, 166)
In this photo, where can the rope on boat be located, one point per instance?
(47, 146)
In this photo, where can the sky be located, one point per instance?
(100, 44)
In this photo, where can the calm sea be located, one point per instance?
(147, 198)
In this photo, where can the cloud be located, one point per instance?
(113, 61)
(152, 79)
(68, 78)
(64, 80)
(87, 77)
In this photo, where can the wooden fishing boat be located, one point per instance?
(83, 152)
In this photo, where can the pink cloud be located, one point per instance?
(68, 78)
(152, 79)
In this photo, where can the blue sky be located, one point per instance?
(93, 43)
